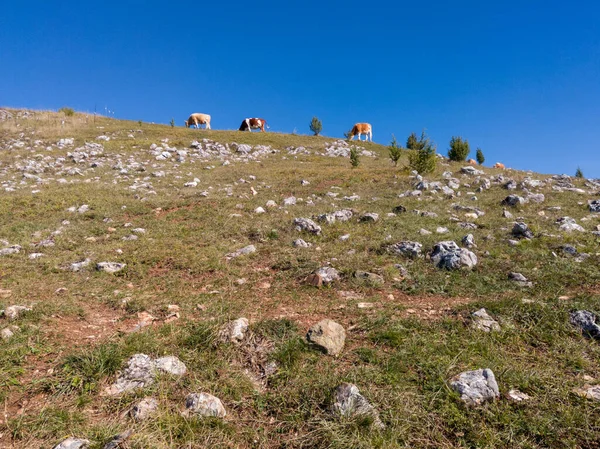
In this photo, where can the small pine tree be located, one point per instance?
(354, 157)
(423, 158)
(140, 123)
(412, 143)
(172, 122)
(395, 151)
(316, 126)
(69, 112)
(479, 156)
(579, 173)
(459, 149)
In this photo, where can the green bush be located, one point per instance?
(479, 156)
(579, 173)
(354, 157)
(395, 151)
(69, 112)
(459, 149)
(421, 157)
(172, 122)
(316, 126)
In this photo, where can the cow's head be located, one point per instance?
(187, 125)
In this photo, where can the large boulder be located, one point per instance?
(328, 336)
(348, 402)
(447, 255)
(476, 387)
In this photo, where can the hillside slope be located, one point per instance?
(200, 228)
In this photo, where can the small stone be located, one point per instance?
(406, 248)
(483, 321)
(170, 365)
(259, 210)
(370, 217)
(344, 237)
(517, 396)
(365, 305)
(513, 200)
(73, 443)
(469, 241)
(234, 331)
(110, 267)
(144, 409)
(8, 332)
(519, 279)
(348, 402)
(589, 392)
(521, 230)
(328, 336)
(447, 255)
(369, 278)
(15, 311)
(299, 243)
(117, 440)
(307, 225)
(323, 276)
(241, 252)
(204, 404)
(586, 322)
(476, 387)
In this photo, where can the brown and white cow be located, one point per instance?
(362, 128)
(198, 119)
(249, 124)
(472, 162)
(499, 165)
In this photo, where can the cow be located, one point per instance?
(362, 128)
(472, 162)
(249, 124)
(499, 165)
(198, 119)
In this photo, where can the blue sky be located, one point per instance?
(521, 79)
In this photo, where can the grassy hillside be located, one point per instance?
(405, 338)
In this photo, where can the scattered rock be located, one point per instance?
(299, 243)
(73, 443)
(348, 403)
(521, 230)
(110, 267)
(589, 392)
(517, 396)
(519, 279)
(406, 248)
(241, 252)
(307, 225)
(483, 321)
(8, 332)
(323, 276)
(234, 331)
(369, 217)
(369, 278)
(204, 404)
(144, 409)
(447, 255)
(513, 200)
(78, 266)
(476, 387)
(586, 322)
(117, 440)
(469, 241)
(594, 206)
(328, 336)
(170, 365)
(15, 311)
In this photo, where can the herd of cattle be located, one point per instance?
(248, 124)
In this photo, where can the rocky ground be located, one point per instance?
(165, 287)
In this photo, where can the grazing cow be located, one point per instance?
(198, 119)
(499, 165)
(472, 162)
(249, 124)
(362, 128)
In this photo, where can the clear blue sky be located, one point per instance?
(520, 79)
